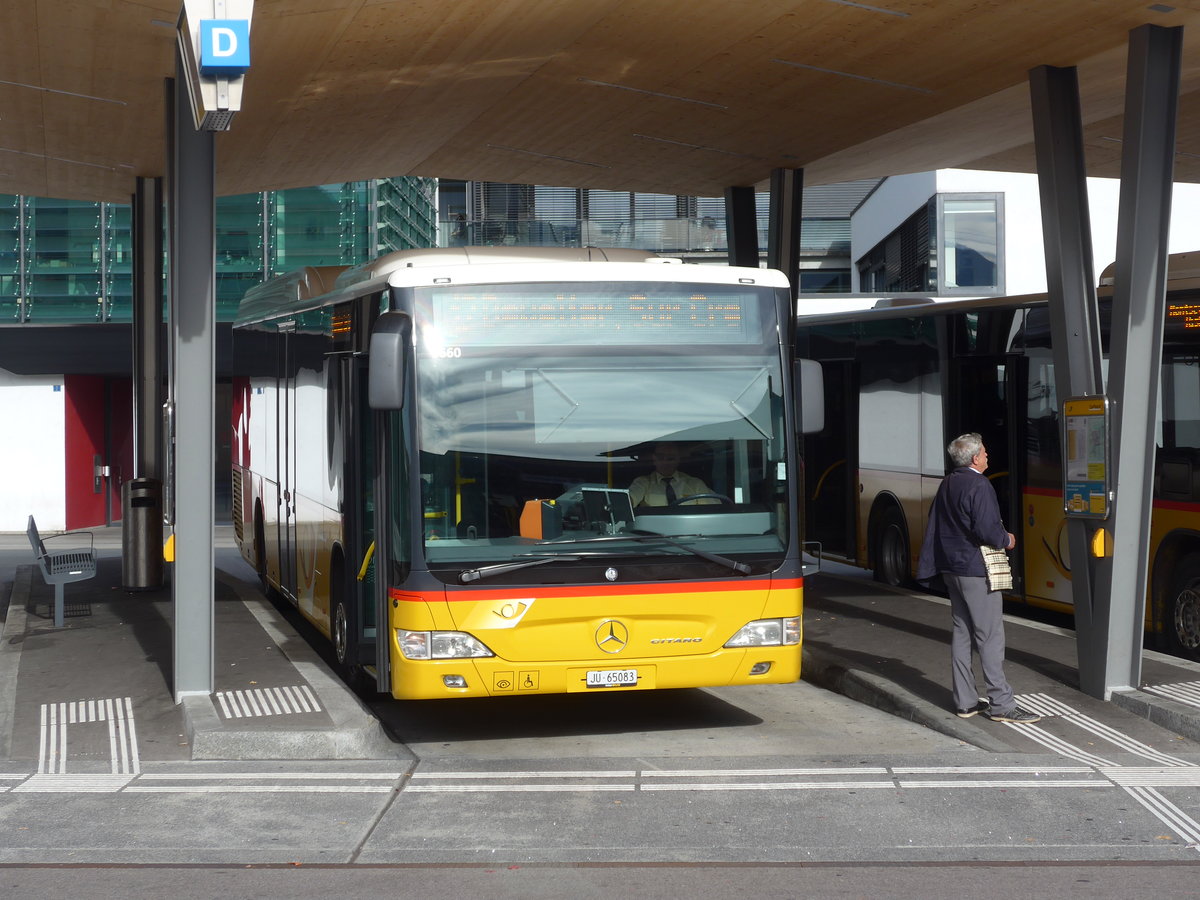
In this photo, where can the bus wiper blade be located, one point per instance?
(466, 576)
(643, 537)
(740, 567)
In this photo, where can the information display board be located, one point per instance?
(1086, 458)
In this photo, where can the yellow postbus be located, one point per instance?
(433, 456)
(906, 376)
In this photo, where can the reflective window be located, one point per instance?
(118, 262)
(533, 446)
(64, 265)
(970, 258)
(319, 226)
(10, 258)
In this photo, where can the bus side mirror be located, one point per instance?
(390, 342)
(810, 394)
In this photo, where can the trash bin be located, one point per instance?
(141, 534)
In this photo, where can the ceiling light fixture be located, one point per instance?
(894, 84)
(38, 87)
(650, 137)
(623, 87)
(878, 9)
(566, 159)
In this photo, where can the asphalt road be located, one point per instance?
(772, 791)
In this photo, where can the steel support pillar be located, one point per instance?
(1074, 320)
(191, 317)
(783, 230)
(741, 226)
(1139, 306)
(147, 327)
(141, 528)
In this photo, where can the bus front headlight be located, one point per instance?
(767, 633)
(440, 645)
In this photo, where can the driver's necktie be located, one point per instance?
(671, 498)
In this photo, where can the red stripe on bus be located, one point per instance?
(689, 587)
(1043, 492)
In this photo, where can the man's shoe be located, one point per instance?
(980, 707)
(1016, 715)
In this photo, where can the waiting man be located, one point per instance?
(964, 518)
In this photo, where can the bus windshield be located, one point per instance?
(550, 414)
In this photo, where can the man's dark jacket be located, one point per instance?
(964, 517)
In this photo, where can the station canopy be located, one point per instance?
(671, 96)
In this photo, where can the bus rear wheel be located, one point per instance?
(891, 550)
(1182, 619)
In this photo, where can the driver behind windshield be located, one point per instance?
(666, 485)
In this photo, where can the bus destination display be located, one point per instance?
(500, 315)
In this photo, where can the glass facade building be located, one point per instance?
(954, 244)
(482, 213)
(66, 261)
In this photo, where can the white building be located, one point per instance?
(961, 232)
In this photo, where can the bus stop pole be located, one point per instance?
(192, 393)
(1074, 320)
(1138, 313)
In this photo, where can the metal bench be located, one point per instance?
(62, 567)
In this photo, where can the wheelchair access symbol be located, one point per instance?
(506, 682)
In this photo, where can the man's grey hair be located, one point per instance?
(965, 448)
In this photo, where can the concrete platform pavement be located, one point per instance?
(891, 648)
(95, 695)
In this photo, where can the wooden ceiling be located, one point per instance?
(677, 96)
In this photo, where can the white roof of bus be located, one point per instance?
(314, 287)
(654, 270)
(478, 265)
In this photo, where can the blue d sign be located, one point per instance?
(224, 47)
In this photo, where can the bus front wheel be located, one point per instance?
(891, 550)
(343, 631)
(1182, 619)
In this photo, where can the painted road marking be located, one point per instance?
(278, 701)
(1142, 783)
(116, 713)
(1045, 705)
(73, 784)
(1187, 692)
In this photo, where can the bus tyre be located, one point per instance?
(1182, 614)
(342, 632)
(891, 549)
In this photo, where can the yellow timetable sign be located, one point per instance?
(1085, 445)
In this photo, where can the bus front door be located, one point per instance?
(830, 464)
(287, 462)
